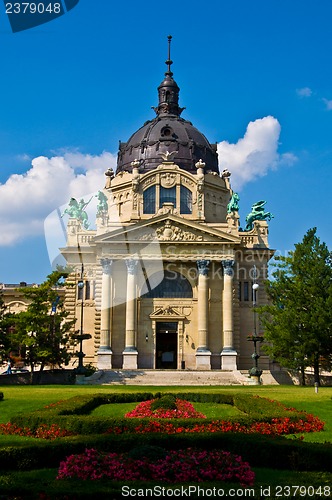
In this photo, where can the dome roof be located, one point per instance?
(168, 132)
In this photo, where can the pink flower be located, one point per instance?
(178, 466)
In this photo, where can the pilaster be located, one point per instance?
(228, 354)
(130, 352)
(105, 352)
(203, 354)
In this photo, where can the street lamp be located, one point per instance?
(81, 370)
(255, 371)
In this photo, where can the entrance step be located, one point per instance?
(166, 377)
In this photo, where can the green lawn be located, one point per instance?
(27, 398)
(220, 411)
(24, 399)
(25, 482)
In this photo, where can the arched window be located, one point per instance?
(167, 195)
(186, 200)
(173, 285)
(149, 200)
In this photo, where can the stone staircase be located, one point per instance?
(167, 377)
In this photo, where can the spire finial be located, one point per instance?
(169, 62)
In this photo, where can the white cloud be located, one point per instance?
(328, 104)
(254, 154)
(304, 92)
(25, 200)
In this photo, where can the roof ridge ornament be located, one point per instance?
(168, 156)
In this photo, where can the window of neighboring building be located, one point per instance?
(80, 293)
(86, 292)
(149, 200)
(246, 291)
(173, 285)
(186, 200)
(167, 195)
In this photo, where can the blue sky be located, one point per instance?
(255, 76)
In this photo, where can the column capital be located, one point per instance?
(203, 266)
(228, 265)
(131, 266)
(106, 265)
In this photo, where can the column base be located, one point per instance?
(203, 360)
(104, 357)
(129, 360)
(228, 360)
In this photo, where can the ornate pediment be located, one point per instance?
(169, 231)
(169, 228)
(166, 312)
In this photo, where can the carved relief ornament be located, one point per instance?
(167, 180)
(148, 181)
(169, 232)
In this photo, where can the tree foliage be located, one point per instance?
(298, 320)
(6, 323)
(43, 329)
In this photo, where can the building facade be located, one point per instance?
(168, 272)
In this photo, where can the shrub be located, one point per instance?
(73, 414)
(183, 410)
(167, 402)
(258, 450)
(90, 369)
(147, 451)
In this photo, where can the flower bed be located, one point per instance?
(278, 426)
(260, 415)
(184, 409)
(43, 431)
(177, 466)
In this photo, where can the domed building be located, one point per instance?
(168, 272)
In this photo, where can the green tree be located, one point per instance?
(43, 330)
(298, 320)
(6, 323)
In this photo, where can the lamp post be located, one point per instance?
(255, 372)
(81, 370)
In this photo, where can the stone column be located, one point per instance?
(130, 352)
(105, 351)
(228, 354)
(203, 355)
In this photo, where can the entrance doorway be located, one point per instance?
(166, 345)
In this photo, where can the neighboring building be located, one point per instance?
(168, 272)
(13, 297)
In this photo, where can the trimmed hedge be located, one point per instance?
(74, 414)
(166, 402)
(258, 450)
